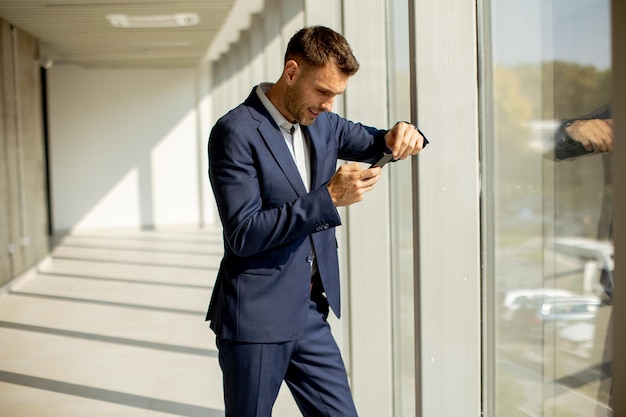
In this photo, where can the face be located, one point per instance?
(312, 92)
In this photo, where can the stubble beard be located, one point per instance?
(295, 106)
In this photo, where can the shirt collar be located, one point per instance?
(261, 91)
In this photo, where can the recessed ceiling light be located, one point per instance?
(152, 21)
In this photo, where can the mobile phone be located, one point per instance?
(382, 161)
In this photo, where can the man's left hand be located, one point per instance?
(404, 140)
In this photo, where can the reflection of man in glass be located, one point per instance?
(585, 136)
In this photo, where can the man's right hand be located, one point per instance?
(350, 182)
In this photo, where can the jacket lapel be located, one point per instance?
(274, 140)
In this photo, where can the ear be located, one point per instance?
(291, 71)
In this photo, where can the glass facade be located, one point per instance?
(548, 254)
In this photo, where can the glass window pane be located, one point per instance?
(401, 216)
(547, 148)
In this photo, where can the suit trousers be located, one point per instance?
(310, 365)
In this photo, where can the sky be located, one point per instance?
(531, 31)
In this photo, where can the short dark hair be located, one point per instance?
(317, 46)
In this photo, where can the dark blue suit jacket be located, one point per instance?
(262, 289)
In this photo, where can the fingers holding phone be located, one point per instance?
(349, 184)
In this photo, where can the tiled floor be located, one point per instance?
(112, 324)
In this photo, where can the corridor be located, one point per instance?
(112, 324)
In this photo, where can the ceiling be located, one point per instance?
(76, 31)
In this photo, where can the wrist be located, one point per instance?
(571, 129)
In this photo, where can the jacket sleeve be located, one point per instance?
(241, 183)
(357, 142)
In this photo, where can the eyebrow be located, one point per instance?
(331, 91)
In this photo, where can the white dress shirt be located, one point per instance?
(295, 141)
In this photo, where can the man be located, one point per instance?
(593, 135)
(272, 163)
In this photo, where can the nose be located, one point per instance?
(328, 104)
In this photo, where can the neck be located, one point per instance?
(275, 95)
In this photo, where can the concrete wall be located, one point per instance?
(23, 197)
(369, 256)
(125, 149)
